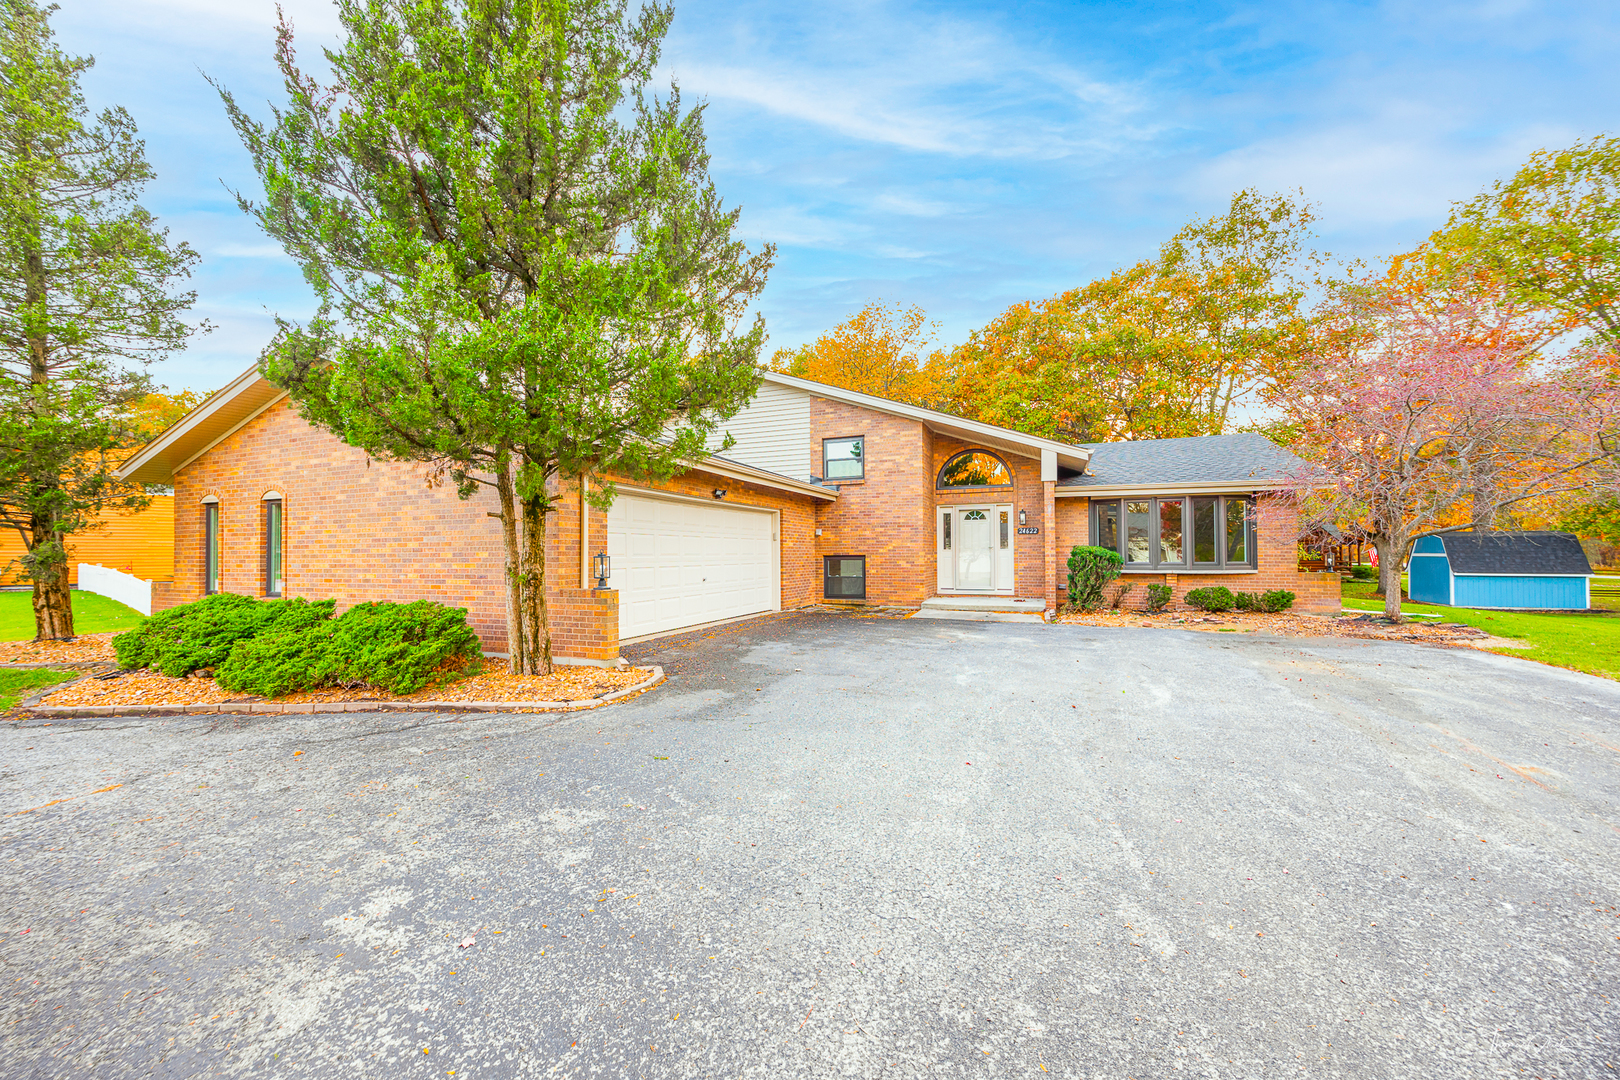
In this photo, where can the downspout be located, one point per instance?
(584, 534)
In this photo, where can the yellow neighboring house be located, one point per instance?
(141, 544)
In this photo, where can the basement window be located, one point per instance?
(845, 577)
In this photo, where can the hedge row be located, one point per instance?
(275, 647)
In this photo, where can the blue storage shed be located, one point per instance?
(1540, 570)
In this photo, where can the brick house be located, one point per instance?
(825, 495)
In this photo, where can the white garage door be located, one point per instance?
(681, 563)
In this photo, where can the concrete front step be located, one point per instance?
(1019, 604)
(980, 616)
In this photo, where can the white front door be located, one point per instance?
(975, 550)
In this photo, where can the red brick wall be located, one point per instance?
(357, 529)
(1277, 532)
(889, 515)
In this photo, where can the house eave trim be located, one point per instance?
(764, 479)
(1244, 487)
(1036, 444)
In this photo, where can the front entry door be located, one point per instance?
(975, 550)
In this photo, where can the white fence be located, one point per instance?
(116, 585)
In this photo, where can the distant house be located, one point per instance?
(141, 544)
(1535, 570)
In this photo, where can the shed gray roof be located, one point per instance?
(1527, 553)
(1205, 459)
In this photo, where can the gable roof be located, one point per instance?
(1069, 455)
(1243, 462)
(229, 409)
(1519, 553)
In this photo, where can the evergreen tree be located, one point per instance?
(525, 273)
(86, 303)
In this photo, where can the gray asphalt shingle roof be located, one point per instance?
(1205, 459)
(1527, 553)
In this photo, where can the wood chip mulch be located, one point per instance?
(150, 688)
(85, 649)
(1290, 624)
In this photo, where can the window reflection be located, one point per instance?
(1170, 531)
(1138, 531)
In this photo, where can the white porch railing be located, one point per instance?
(116, 585)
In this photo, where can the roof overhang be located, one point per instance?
(230, 408)
(224, 413)
(1235, 487)
(970, 431)
(764, 478)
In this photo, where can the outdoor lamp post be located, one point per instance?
(603, 569)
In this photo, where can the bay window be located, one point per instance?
(1171, 532)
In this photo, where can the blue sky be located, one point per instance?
(957, 156)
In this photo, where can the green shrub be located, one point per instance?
(201, 634)
(1214, 598)
(281, 662)
(1159, 597)
(399, 648)
(1090, 571)
(402, 647)
(1363, 572)
(1276, 600)
(1120, 594)
(1247, 601)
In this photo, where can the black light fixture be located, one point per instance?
(1023, 518)
(719, 493)
(603, 568)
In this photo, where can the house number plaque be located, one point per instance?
(1029, 530)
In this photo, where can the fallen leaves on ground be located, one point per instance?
(150, 688)
(84, 649)
(1288, 624)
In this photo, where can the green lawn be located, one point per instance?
(1589, 643)
(18, 683)
(92, 614)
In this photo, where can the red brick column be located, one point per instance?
(1049, 540)
(584, 623)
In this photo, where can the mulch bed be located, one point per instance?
(146, 687)
(1291, 624)
(84, 649)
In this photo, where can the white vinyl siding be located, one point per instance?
(772, 432)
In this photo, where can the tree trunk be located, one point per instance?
(535, 617)
(1389, 575)
(47, 566)
(517, 650)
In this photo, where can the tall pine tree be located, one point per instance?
(526, 273)
(87, 302)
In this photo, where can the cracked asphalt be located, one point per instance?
(842, 846)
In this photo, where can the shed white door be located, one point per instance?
(679, 564)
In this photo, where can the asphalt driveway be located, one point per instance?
(839, 846)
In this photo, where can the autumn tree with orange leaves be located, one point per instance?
(1167, 348)
(879, 351)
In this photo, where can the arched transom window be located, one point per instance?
(975, 468)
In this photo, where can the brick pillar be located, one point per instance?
(1049, 535)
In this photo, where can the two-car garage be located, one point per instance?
(683, 562)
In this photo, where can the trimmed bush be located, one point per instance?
(1276, 600)
(1214, 598)
(201, 634)
(281, 662)
(1363, 572)
(1090, 571)
(402, 647)
(1159, 598)
(1247, 601)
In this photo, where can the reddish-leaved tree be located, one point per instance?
(1422, 418)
